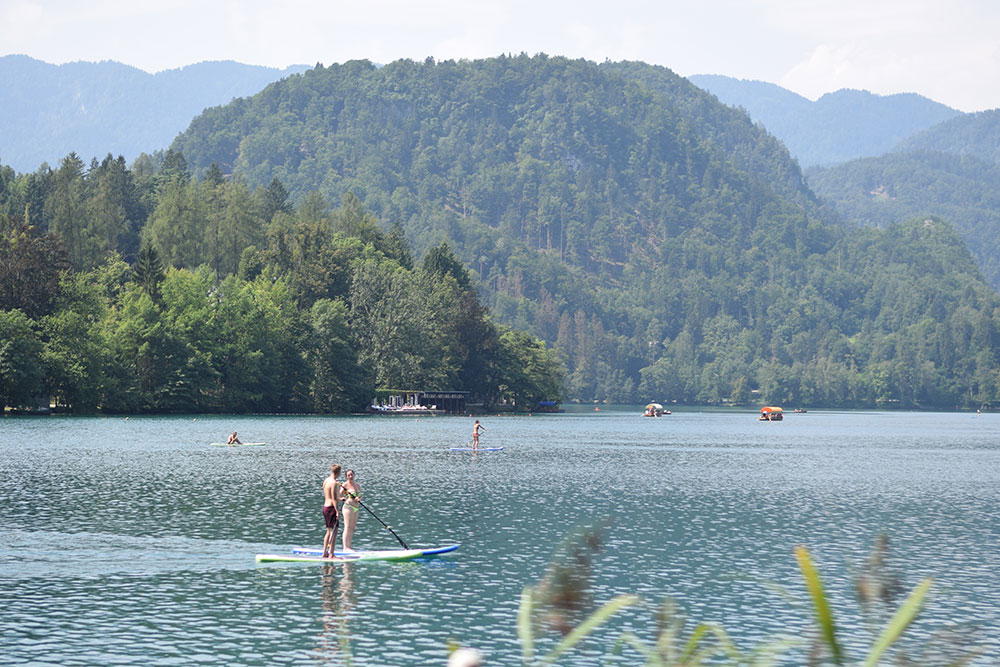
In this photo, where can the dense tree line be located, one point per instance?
(143, 289)
(663, 242)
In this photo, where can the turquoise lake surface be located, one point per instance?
(132, 541)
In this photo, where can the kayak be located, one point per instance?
(238, 444)
(481, 449)
(426, 551)
(395, 554)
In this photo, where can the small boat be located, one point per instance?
(770, 414)
(801, 410)
(655, 410)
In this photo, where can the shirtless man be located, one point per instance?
(331, 496)
(233, 440)
(476, 428)
(350, 508)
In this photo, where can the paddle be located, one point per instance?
(376, 517)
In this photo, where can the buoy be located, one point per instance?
(597, 409)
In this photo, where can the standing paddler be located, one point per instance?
(331, 515)
(476, 428)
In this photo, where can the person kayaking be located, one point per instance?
(331, 516)
(476, 428)
(350, 508)
(233, 440)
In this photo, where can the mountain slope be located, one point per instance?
(96, 108)
(750, 147)
(961, 189)
(839, 126)
(976, 135)
(657, 238)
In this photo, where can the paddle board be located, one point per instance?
(238, 444)
(396, 554)
(481, 449)
(427, 551)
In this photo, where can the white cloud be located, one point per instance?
(946, 50)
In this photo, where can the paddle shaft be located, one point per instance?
(376, 518)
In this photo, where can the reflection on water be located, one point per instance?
(125, 540)
(334, 642)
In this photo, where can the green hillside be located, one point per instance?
(961, 189)
(976, 135)
(615, 212)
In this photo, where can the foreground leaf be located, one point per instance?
(899, 622)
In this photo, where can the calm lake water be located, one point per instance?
(132, 541)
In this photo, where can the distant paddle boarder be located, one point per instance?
(350, 508)
(233, 440)
(476, 428)
(331, 517)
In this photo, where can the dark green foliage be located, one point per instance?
(22, 371)
(339, 384)
(147, 272)
(30, 266)
(440, 262)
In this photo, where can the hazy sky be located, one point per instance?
(947, 50)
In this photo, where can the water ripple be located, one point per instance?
(125, 541)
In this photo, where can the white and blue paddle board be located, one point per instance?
(350, 557)
(425, 551)
(481, 449)
(238, 444)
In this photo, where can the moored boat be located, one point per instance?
(770, 414)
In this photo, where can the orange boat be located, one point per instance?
(770, 414)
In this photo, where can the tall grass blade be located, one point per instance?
(898, 623)
(592, 622)
(824, 617)
(723, 645)
(524, 631)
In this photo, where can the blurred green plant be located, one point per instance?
(561, 600)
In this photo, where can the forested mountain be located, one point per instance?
(748, 145)
(658, 241)
(97, 108)
(838, 127)
(897, 186)
(616, 219)
(976, 135)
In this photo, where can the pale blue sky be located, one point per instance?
(948, 50)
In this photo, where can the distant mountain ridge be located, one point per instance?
(976, 135)
(93, 108)
(839, 126)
